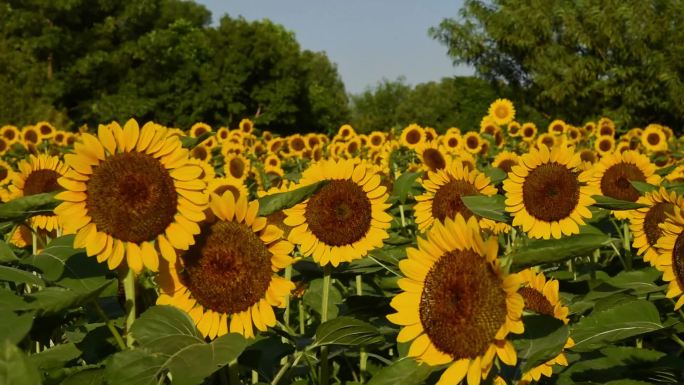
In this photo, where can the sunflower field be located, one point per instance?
(514, 254)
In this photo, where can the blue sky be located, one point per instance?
(368, 39)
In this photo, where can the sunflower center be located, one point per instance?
(447, 201)
(3, 173)
(132, 197)
(605, 145)
(548, 141)
(297, 144)
(433, 159)
(200, 152)
(9, 134)
(462, 305)
(352, 147)
(615, 181)
(655, 216)
(472, 142)
(452, 142)
(528, 132)
(339, 213)
(228, 269)
(551, 192)
(200, 130)
(535, 301)
(653, 139)
(413, 137)
(507, 165)
(233, 190)
(45, 129)
(31, 136)
(376, 140)
(588, 156)
(41, 181)
(513, 130)
(236, 167)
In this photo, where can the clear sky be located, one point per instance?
(368, 39)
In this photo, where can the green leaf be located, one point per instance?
(9, 300)
(404, 184)
(270, 204)
(55, 357)
(15, 368)
(539, 251)
(6, 253)
(53, 300)
(313, 298)
(13, 327)
(134, 367)
(666, 170)
(347, 331)
(86, 377)
(190, 142)
(614, 324)
(12, 274)
(643, 187)
(615, 364)
(20, 209)
(543, 339)
(403, 372)
(495, 174)
(615, 204)
(640, 281)
(52, 260)
(165, 329)
(493, 207)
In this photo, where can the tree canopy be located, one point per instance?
(578, 59)
(85, 62)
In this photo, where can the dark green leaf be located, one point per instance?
(196, 362)
(6, 253)
(404, 184)
(615, 363)
(134, 367)
(403, 372)
(86, 377)
(22, 208)
(543, 339)
(270, 204)
(615, 204)
(165, 329)
(643, 187)
(189, 142)
(495, 174)
(313, 298)
(55, 357)
(54, 300)
(12, 274)
(9, 300)
(52, 260)
(614, 324)
(666, 170)
(13, 327)
(347, 331)
(493, 207)
(540, 251)
(640, 281)
(15, 368)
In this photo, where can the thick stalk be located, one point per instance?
(325, 373)
(129, 291)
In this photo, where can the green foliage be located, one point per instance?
(577, 59)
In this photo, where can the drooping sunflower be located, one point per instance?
(546, 194)
(505, 160)
(236, 166)
(645, 222)
(472, 142)
(670, 260)
(454, 262)
(227, 281)
(432, 156)
(131, 193)
(443, 192)
(653, 138)
(37, 175)
(613, 173)
(528, 131)
(502, 111)
(343, 220)
(604, 145)
(198, 129)
(541, 296)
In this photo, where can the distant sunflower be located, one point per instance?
(59, 138)
(546, 194)
(653, 138)
(5, 146)
(676, 175)
(468, 160)
(376, 139)
(557, 127)
(489, 126)
(345, 132)
(227, 281)
(236, 166)
(514, 129)
(452, 142)
(11, 134)
(30, 135)
(45, 130)
(430, 134)
(546, 139)
(201, 152)
(343, 220)
(312, 140)
(505, 160)
(606, 127)
(352, 147)
(37, 175)
(131, 193)
(6, 173)
(670, 260)
(456, 304)
(590, 127)
(432, 156)
(604, 145)
(453, 130)
(246, 126)
(542, 297)
(208, 173)
(412, 136)
(502, 111)
(622, 146)
(472, 142)
(588, 158)
(272, 160)
(645, 222)
(220, 185)
(613, 173)
(274, 145)
(443, 192)
(528, 131)
(198, 129)
(222, 134)
(573, 134)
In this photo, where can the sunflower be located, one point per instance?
(453, 262)
(4, 146)
(59, 138)
(352, 147)
(222, 134)
(37, 175)
(430, 134)
(528, 131)
(472, 142)
(676, 176)
(606, 127)
(296, 145)
(11, 134)
(220, 185)
(343, 220)
(546, 139)
(30, 135)
(274, 145)
(653, 138)
(502, 111)
(514, 129)
(468, 160)
(613, 173)
(541, 297)
(645, 222)
(432, 156)
(198, 129)
(226, 282)
(505, 160)
(604, 145)
(208, 173)
(246, 126)
(412, 136)
(201, 152)
(546, 194)
(488, 126)
(622, 146)
(7, 173)
(236, 166)
(495, 228)
(443, 192)
(272, 160)
(131, 193)
(557, 127)
(590, 128)
(376, 139)
(45, 130)
(345, 132)
(453, 130)
(670, 260)
(573, 134)
(452, 142)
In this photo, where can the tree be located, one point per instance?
(578, 59)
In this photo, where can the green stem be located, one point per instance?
(363, 355)
(129, 292)
(325, 373)
(627, 246)
(401, 214)
(678, 340)
(285, 368)
(234, 372)
(110, 325)
(302, 317)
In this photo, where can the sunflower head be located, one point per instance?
(472, 142)
(452, 142)
(199, 128)
(645, 222)
(45, 130)
(456, 304)
(412, 136)
(505, 160)
(376, 139)
(489, 126)
(30, 135)
(246, 126)
(345, 132)
(432, 156)
(606, 127)
(653, 138)
(502, 111)
(528, 131)
(236, 166)
(557, 127)
(11, 134)
(604, 145)
(514, 129)
(670, 259)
